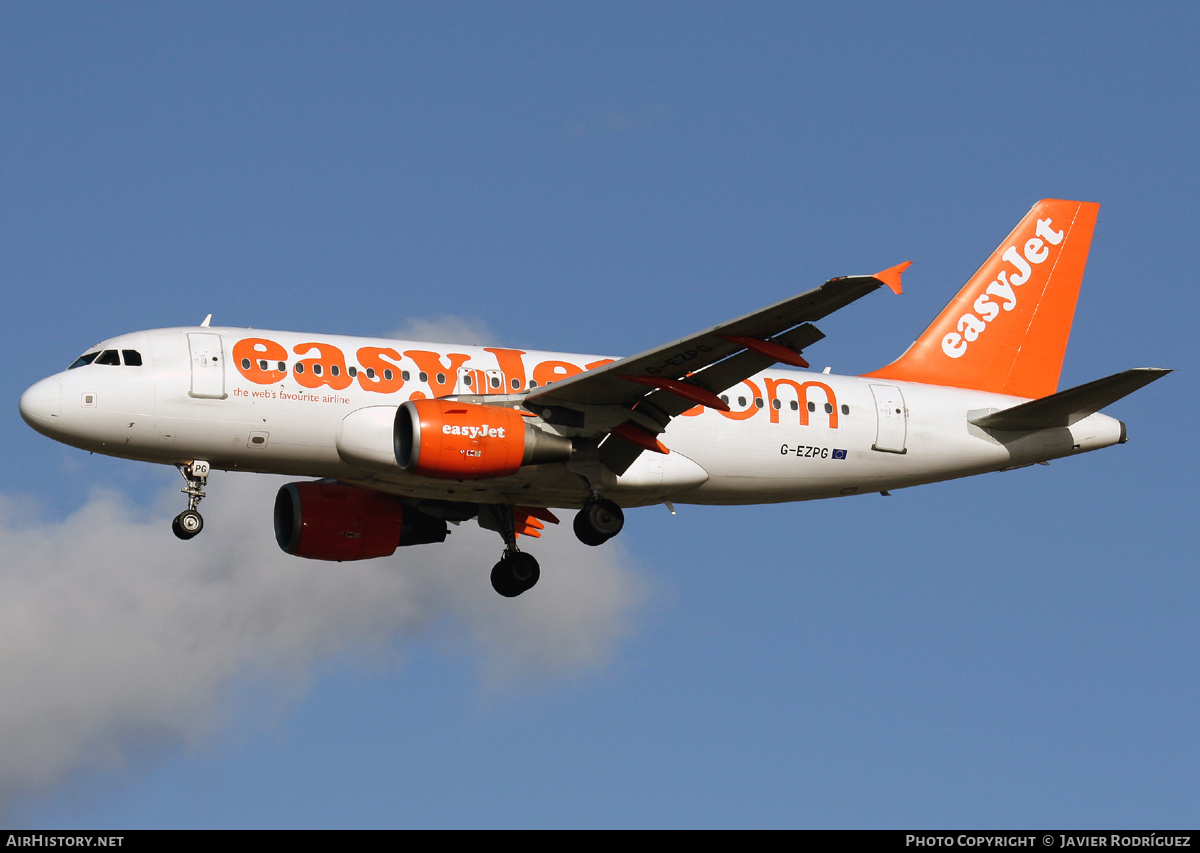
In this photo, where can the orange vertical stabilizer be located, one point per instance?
(1006, 331)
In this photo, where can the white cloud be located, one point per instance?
(115, 635)
(447, 330)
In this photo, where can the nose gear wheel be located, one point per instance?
(189, 523)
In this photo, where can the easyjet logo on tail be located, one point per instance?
(1012, 318)
(1004, 287)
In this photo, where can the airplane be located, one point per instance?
(406, 439)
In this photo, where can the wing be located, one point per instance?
(629, 402)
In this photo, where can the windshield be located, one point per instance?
(86, 358)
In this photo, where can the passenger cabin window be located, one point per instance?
(86, 358)
(109, 356)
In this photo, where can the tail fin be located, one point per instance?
(1006, 331)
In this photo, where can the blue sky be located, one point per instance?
(1013, 650)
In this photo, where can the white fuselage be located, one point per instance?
(789, 435)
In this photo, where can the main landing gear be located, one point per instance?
(598, 521)
(517, 572)
(189, 522)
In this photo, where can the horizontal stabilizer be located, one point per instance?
(1074, 404)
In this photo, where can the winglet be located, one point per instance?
(891, 276)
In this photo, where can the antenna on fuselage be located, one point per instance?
(207, 319)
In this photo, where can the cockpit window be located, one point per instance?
(109, 356)
(132, 357)
(86, 358)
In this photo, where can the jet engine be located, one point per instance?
(449, 440)
(325, 520)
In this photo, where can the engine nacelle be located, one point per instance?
(325, 520)
(466, 441)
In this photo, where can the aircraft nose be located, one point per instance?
(40, 404)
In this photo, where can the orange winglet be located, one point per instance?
(640, 436)
(686, 390)
(768, 348)
(891, 276)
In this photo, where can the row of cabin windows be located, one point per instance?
(778, 404)
(131, 358)
(494, 382)
(334, 370)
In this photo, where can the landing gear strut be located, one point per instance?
(189, 522)
(598, 521)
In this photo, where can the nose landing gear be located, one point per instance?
(189, 522)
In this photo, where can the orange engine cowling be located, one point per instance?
(465, 441)
(325, 520)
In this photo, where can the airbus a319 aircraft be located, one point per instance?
(407, 438)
